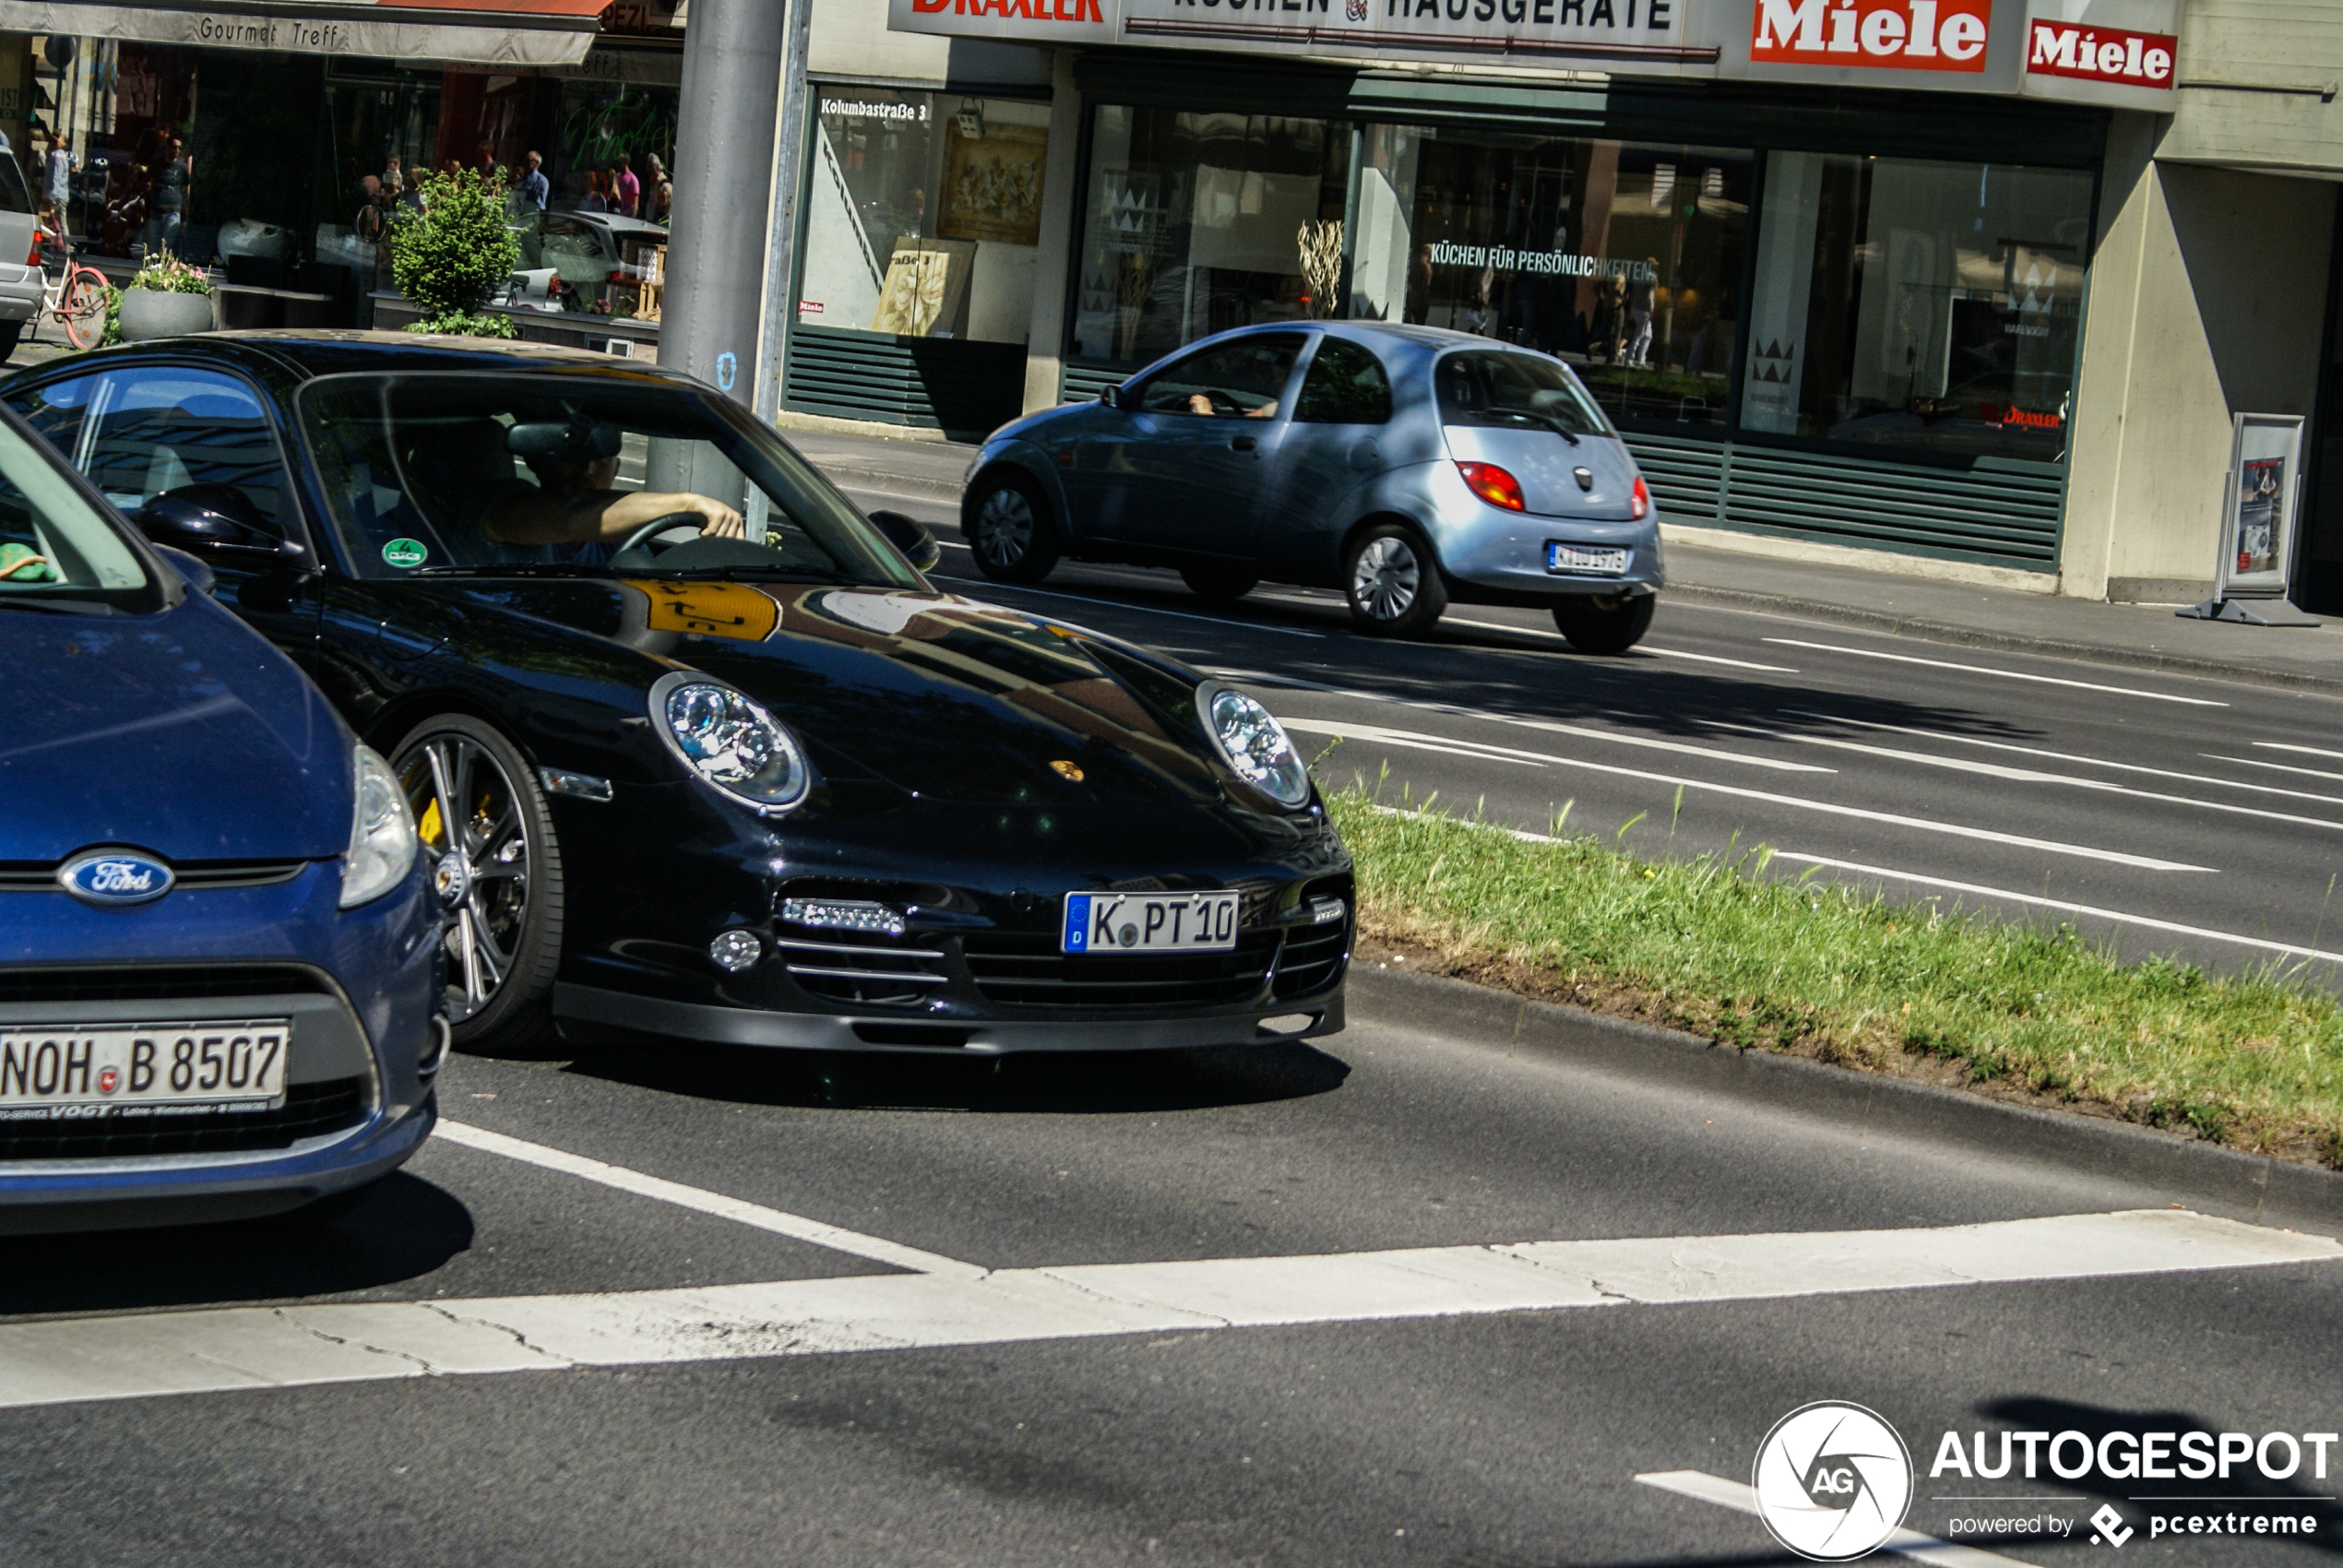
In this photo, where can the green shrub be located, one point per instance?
(456, 252)
(114, 316)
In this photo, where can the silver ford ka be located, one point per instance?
(1409, 466)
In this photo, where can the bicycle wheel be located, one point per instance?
(81, 305)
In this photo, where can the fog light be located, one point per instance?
(735, 950)
(1324, 911)
(842, 914)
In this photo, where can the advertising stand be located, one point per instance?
(2259, 503)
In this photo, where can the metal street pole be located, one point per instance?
(723, 180)
(781, 253)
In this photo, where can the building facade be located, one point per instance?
(1961, 287)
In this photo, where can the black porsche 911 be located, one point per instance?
(695, 749)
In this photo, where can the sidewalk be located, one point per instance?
(2135, 636)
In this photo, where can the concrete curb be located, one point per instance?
(2003, 642)
(2255, 1188)
(846, 476)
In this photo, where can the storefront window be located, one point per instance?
(1918, 304)
(923, 214)
(1625, 259)
(1196, 223)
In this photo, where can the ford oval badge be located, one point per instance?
(115, 876)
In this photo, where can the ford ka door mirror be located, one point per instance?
(1111, 396)
(213, 522)
(911, 536)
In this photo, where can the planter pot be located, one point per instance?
(152, 313)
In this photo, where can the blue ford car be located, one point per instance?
(219, 948)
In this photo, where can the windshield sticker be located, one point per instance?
(405, 552)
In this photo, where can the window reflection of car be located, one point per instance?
(1409, 467)
(676, 783)
(583, 251)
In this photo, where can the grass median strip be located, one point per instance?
(1713, 946)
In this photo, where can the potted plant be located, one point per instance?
(450, 258)
(166, 298)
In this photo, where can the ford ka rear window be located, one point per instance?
(1513, 392)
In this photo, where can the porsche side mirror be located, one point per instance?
(911, 536)
(213, 522)
(1111, 396)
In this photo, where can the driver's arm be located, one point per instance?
(535, 516)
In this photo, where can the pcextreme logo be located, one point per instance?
(1896, 35)
(1834, 1481)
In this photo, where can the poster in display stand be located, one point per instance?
(2259, 501)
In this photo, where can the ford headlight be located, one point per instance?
(382, 833)
(1254, 744)
(730, 741)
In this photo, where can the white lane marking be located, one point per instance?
(2313, 750)
(991, 586)
(2275, 766)
(2066, 756)
(1640, 647)
(2048, 846)
(1742, 1497)
(875, 1248)
(1715, 658)
(1545, 726)
(2030, 776)
(2287, 948)
(2005, 674)
(67, 1360)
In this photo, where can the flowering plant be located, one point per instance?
(167, 274)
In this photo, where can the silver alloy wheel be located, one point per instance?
(1005, 527)
(1386, 580)
(478, 848)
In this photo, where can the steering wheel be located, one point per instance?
(671, 523)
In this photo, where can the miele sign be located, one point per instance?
(2118, 52)
(1898, 35)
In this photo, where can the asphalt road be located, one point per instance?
(2157, 813)
(1456, 1434)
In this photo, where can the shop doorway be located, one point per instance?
(2318, 558)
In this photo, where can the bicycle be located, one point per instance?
(77, 297)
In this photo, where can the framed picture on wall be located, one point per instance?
(993, 183)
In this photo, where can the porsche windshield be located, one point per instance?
(494, 471)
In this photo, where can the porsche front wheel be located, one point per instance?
(497, 872)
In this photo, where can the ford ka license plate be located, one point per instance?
(1606, 563)
(1149, 923)
(60, 1072)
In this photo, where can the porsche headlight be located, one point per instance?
(730, 741)
(1254, 744)
(382, 833)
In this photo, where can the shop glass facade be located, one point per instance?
(923, 214)
(1199, 222)
(1908, 306)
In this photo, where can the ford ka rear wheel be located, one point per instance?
(1007, 528)
(1599, 623)
(1392, 582)
(489, 841)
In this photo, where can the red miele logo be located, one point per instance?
(1895, 35)
(1019, 10)
(2099, 54)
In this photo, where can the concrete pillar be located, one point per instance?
(2103, 380)
(723, 192)
(1060, 247)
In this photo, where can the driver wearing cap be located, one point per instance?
(573, 501)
